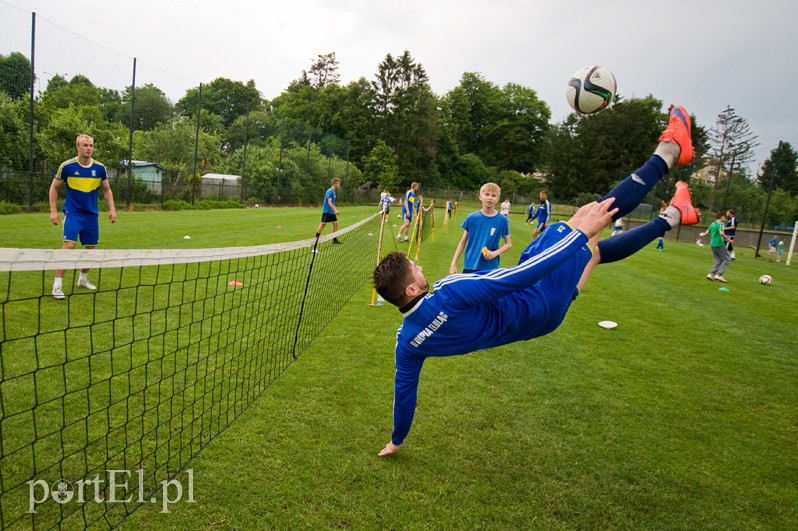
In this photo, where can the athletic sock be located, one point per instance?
(672, 215)
(58, 282)
(628, 243)
(669, 151)
(83, 277)
(630, 192)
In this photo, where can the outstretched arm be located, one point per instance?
(408, 369)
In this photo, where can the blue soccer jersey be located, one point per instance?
(542, 214)
(473, 311)
(330, 194)
(82, 183)
(483, 231)
(408, 204)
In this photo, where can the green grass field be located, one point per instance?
(683, 417)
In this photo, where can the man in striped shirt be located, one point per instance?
(83, 177)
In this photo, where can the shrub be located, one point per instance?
(173, 204)
(9, 208)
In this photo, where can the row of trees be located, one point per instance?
(392, 128)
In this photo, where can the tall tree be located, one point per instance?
(323, 71)
(405, 113)
(151, 107)
(515, 139)
(57, 138)
(380, 166)
(732, 143)
(172, 146)
(470, 108)
(15, 71)
(13, 134)
(780, 169)
(223, 97)
(504, 126)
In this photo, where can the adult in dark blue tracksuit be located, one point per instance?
(474, 311)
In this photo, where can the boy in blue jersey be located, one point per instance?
(469, 312)
(385, 203)
(542, 214)
(329, 213)
(83, 176)
(408, 208)
(482, 234)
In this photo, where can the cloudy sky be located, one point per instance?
(703, 54)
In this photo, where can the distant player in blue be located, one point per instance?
(542, 214)
(409, 206)
(483, 231)
(385, 203)
(329, 213)
(530, 212)
(83, 177)
(469, 312)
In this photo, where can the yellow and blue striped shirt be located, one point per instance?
(82, 183)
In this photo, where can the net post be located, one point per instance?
(420, 229)
(383, 219)
(416, 231)
(305, 295)
(792, 242)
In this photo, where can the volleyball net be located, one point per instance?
(142, 374)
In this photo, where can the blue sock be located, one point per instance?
(628, 243)
(631, 191)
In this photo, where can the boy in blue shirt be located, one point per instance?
(329, 213)
(469, 312)
(482, 234)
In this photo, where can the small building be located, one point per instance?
(150, 173)
(220, 184)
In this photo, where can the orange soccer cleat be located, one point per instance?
(681, 200)
(679, 131)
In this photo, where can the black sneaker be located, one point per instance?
(336, 240)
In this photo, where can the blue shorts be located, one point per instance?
(559, 288)
(407, 216)
(83, 226)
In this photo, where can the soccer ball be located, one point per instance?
(591, 89)
(765, 279)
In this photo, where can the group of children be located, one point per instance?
(486, 232)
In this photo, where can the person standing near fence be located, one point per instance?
(83, 177)
(329, 213)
